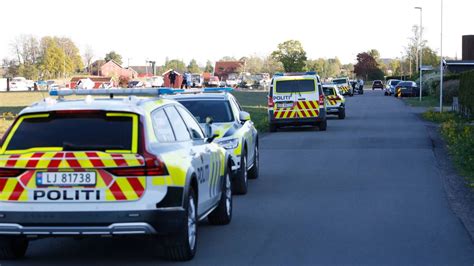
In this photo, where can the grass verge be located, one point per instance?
(459, 136)
(427, 101)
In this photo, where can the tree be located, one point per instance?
(112, 55)
(88, 56)
(209, 68)
(292, 55)
(271, 66)
(175, 64)
(367, 67)
(193, 67)
(53, 59)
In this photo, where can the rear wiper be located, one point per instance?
(76, 147)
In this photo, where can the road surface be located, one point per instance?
(366, 191)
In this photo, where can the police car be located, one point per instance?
(335, 102)
(235, 131)
(110, 167)
(296, 99)
(344, 86)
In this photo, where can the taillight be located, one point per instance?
(321, 99)
(271, 103)
(5, 172)
(153, 166)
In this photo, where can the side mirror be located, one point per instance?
(208, 130)
(244, 116)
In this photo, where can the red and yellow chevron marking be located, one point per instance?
(399, 93)
(333, 100)
(302, 109)
(66, 160)
(114, 188)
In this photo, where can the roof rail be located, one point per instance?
(308, 73)
(132, 92)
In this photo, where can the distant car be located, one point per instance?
(197, 80)
(390, 86)
(214, 81)
(231, 82)
(344, 86)
(155, 81)
(407, 89)
(377, 84)
(19, 84)
(135, 84)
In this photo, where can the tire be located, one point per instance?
(182, 246)
(253, 173)
(273, 128)
(240, 181)
(222, 215)
(342, 114)
(323, 125)
(13, 247)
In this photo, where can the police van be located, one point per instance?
(344, 86)
(335, 102)
(296, 99)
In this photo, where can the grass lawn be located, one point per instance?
(426, 101)
(256, 104)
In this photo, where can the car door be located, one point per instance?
(210, 166)
(246, 128)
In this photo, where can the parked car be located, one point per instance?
(390, 86)
(377, 84)
(214, 81)
(136, 84)
(156, 81)
(231, 82)
(407, 89)
(197, 80)
(19, 84)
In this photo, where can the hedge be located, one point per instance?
(466, 91)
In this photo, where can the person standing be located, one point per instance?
(172, 77)
(184, 82)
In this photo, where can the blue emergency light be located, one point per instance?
(135, 91)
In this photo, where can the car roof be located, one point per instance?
(200, 96)
(279, 78)
(139, 105)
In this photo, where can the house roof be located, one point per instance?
(228, 66)
(460, 62)
(95, 79)
(166, 72)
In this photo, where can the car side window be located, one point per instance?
(162, 126)
(179, 127)
(237, 104)
(194, 128)
(234, 108)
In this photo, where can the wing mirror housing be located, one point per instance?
(211, 136)
(244, 116)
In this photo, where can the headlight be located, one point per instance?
(229, 143)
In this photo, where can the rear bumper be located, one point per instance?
(297, 121)
(335, 109)
(43, 224)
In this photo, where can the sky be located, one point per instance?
(141, 30)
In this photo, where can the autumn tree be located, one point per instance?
(292, 55)
(209, 68)
(193, 67)
(88, 56)
(367, 67)
(176, 64)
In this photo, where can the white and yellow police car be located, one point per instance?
(233, 126)
(344, 86)
(296, 99)
(110, 167)
(335, 102)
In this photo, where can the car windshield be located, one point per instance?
(73, 132)
(377, 82)
(339, 81)
(289, 86)
(328, 91)
(219, 111)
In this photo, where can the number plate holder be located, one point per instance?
(66, 179)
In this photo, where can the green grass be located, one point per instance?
(427, 101)
(256, 104)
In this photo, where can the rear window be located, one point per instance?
(377, 82)
(328, 91)
(219, 111)
(98, 131)
(339, 81)
(394, 82)
(289, 86)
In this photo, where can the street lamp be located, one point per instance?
(421, 49)
(441, 65)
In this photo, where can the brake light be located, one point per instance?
(153, 166)
(321, 99)
(271, 103)
(5, 172)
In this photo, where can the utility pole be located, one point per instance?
(421, 50)
(441, 67)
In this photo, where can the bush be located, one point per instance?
(466, 91)
(438, 117)
(450, 90)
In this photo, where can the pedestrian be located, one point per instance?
(188, 80)
(184, 82)
(172, 77)
(361, 84)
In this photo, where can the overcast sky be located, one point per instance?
(211, 29)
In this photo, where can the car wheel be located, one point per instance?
(253, 173)
(241, 178)
(223, 213)
(13, 247)
(182, 246)
(323, 125)
(342, 114)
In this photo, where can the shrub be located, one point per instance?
(466, 91)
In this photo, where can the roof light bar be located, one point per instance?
(308, 73)
(114, 91)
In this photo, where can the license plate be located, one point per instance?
(66, 178)
(285, 105)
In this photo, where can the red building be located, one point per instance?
(178, 80)
(224, 68)
(112, 69)
(98, 81)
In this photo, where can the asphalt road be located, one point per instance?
(366, 191)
